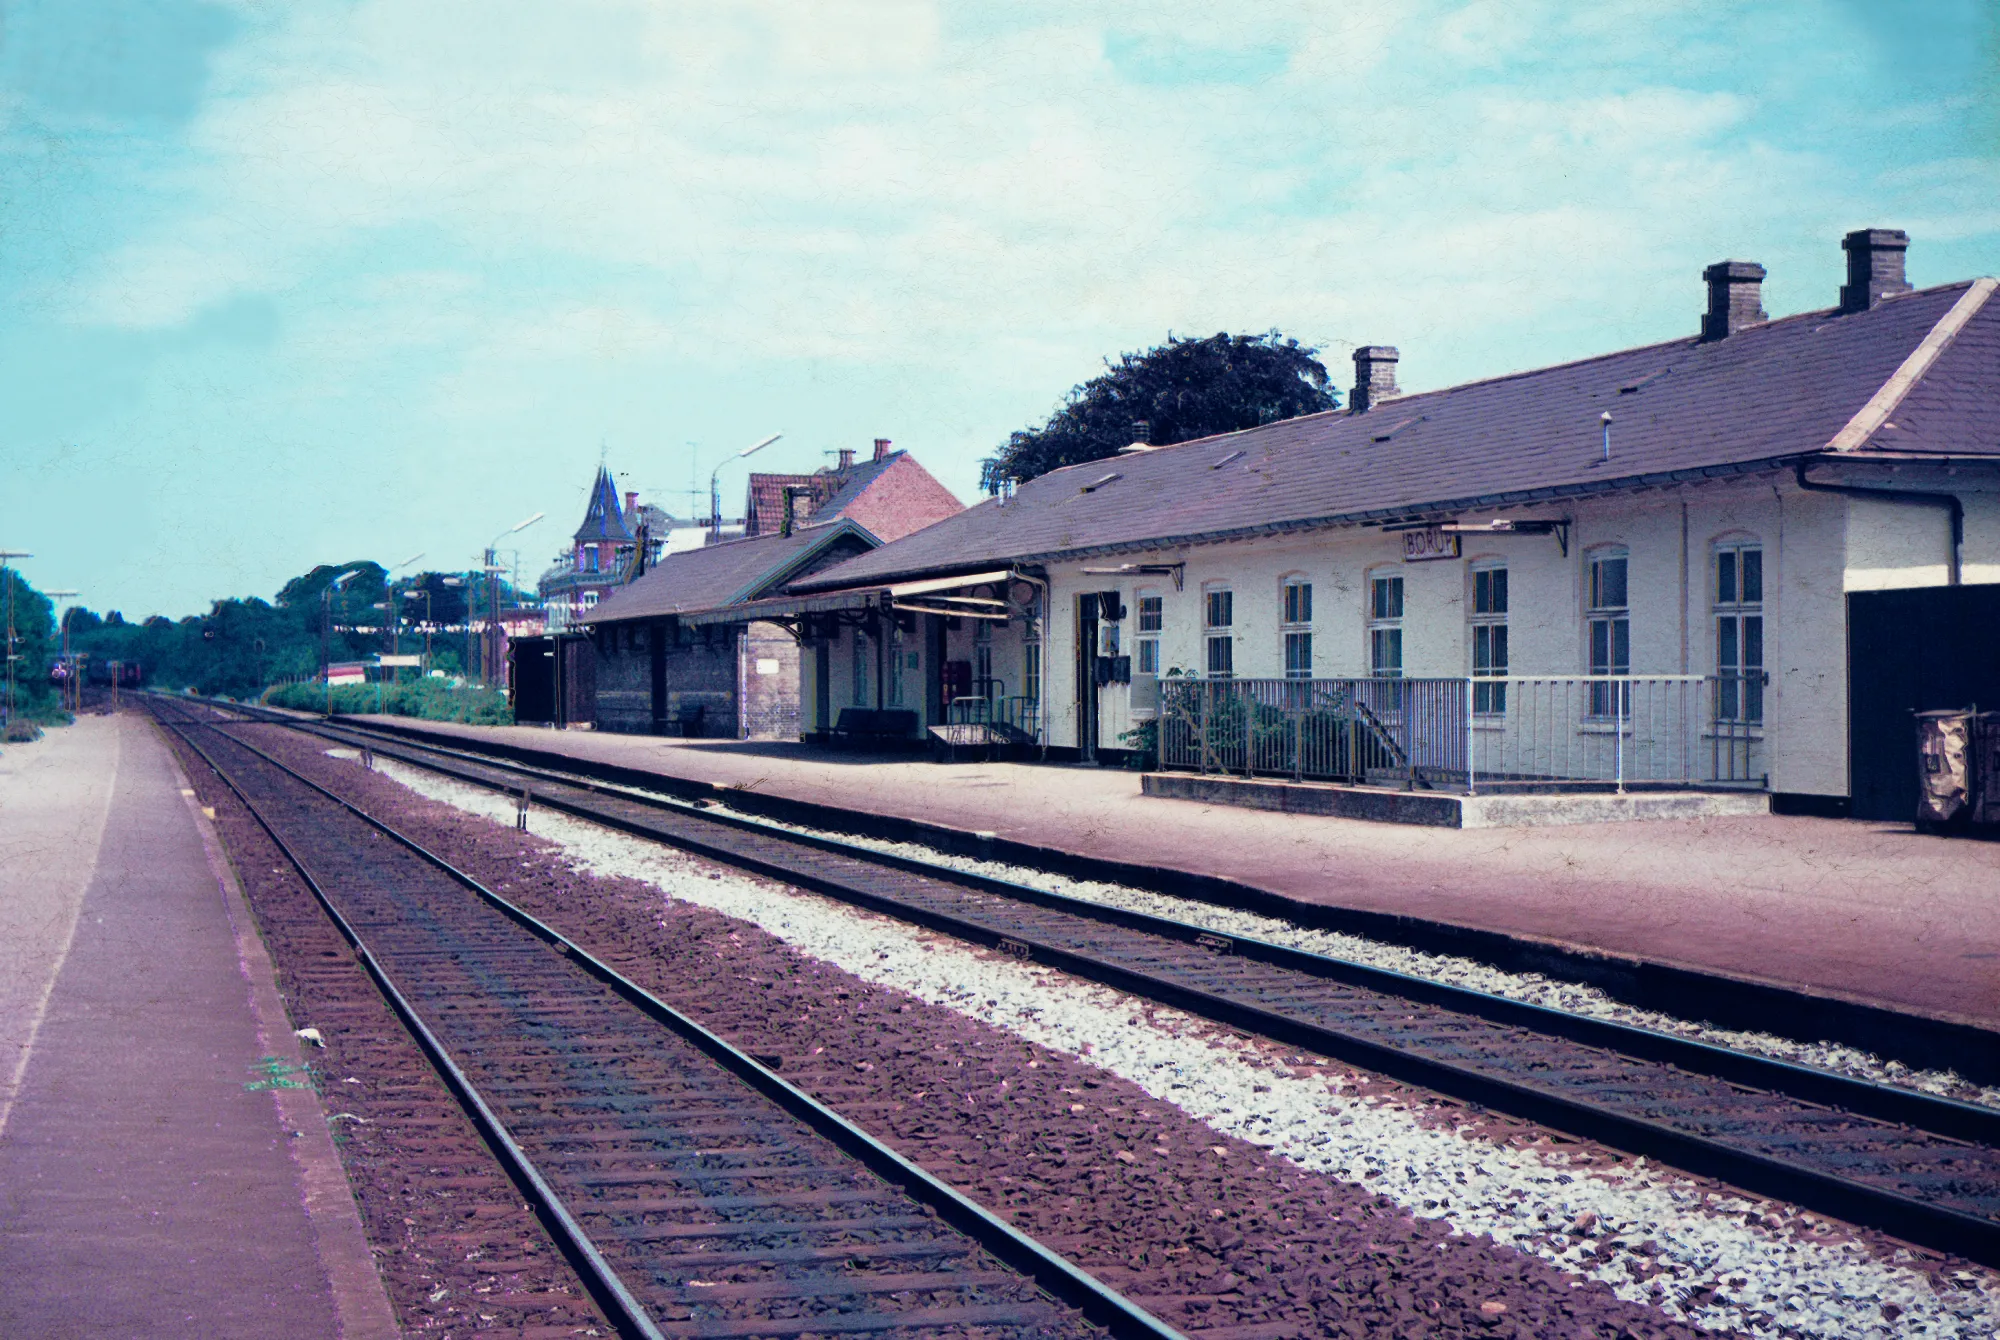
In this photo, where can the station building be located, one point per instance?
(1635, 568)
(673, 650)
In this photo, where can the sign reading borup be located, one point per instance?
(1428, 543)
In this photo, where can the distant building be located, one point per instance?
(671, 655)
(890, 494)
(606, 552)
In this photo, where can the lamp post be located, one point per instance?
(8, 573)
(395, 607)
(69, 669)
(715, 496)
(326, 632)
(489, 649)
(425, 592)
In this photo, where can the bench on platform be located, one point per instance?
(875, 724)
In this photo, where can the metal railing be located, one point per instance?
(995, 708)
(1516, 732)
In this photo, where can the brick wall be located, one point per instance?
(770, 683)
(903, 499)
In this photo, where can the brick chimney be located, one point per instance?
(1374, 377)
(1735, 298)
(846, 459)
(1874, 267)
(881, 447)
(631, 504)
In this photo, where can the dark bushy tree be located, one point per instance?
(1183, 389)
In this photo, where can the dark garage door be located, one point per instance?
(1912, 651)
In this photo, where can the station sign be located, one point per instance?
(1431, 542)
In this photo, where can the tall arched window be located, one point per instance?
(1295, 625)
(1385, 625)
(1218, 623)
(1486, 614)
(1739, 632)
(1151, 609)
(1609, 628)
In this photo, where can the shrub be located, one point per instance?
(20, 732)
(425, 699)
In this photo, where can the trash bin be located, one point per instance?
(1958, 768)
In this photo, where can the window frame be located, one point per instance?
(1295, 625)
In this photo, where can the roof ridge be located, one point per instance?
(1871, 416)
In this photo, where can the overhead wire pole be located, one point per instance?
(8, 573)
(489, 658)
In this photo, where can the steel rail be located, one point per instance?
(1097, 1302)
(1882, 1102)
(1906, 1216)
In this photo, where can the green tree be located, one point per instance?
(1182, 390)
(29, 616)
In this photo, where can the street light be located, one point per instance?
(490, 653)
(71, 689)
(6, 554)
(715, 497)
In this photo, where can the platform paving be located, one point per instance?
(1863, 911)
(160, 1176)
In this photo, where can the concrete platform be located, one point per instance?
(160, 1172)
(1445, 809)
(1867, 912)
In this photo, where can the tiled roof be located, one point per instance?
(604, 519)
(722, 574)
(1778, 390)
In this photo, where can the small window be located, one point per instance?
(1488, 618)
(1610, 632)
(1298, 655)
(1298, 600)
(1385, 627)
(896, 664)
(1739, 634)
(1152, 619)
(1221, 608)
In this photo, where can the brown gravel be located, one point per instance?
(1210, 1232)
(458, 1251)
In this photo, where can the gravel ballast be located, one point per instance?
(1669, 1246)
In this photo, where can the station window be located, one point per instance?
(1218, 622)
(1297, 628)
(983, 682)
(1152, 618)
(1488, 616)
(1385, 627)
(896, 654)
(1610, 630)
(864, 655)
(1739, 633)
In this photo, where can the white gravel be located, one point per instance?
(1532, 988)
(1772, 1272)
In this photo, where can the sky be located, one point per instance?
(288, 282)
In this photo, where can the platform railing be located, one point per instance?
(1516, 732)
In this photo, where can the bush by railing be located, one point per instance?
(1522, 731)
(426, 699)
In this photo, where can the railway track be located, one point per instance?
(1922, 1168)
(697, 1194)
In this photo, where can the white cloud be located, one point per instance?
(896, 180)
